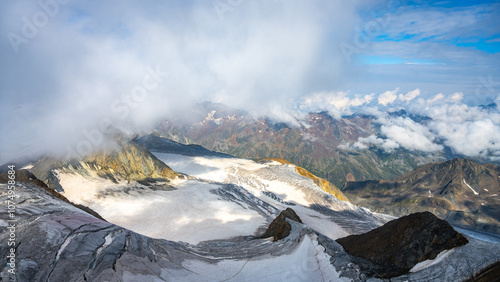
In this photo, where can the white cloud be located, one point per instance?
(457, 97)
(436, 98)
(408, 133)
(411, 138)
(470, 131)
(261, 54)
(262, 57)
(398, 132)
(363, 143)
(336, 103)
(388, 97)
(409, 96)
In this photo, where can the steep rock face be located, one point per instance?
(279, 228)
(130, 162)
(394, 248)
(22, 175)
(313, 144)
(491, 273)
(25, 176)
(461, 190)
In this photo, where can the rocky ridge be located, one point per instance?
(460, 190)
(130, 162)
(397, 246)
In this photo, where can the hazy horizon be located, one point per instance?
(71, 67)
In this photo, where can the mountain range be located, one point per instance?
(313, 142)
(460, 190)
(182, 212)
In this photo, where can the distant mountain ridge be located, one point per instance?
(314, 145)
(461, 190)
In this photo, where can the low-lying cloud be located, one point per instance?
(472, 131)
(72, 69)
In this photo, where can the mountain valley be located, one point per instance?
(187, 213)
(460, 190)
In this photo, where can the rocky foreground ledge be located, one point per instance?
(397, 246)
(56, 241)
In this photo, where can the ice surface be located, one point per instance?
(197, 210)
(272, 177)
(189, 213)
(479, 235)
(206, 208)
(308, 262)
(206, 167)
(426, 263)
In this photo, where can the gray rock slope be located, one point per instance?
(58, 242)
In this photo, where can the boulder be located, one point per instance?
(488, 274)
(279, 228)
(394, 248)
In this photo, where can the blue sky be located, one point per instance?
(481, 32)
(455, 40)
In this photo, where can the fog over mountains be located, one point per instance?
(334, 147)
(235, 140)
(134, 65)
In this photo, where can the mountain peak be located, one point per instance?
(457, 185)
(130, 162)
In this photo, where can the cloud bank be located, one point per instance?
(70, 69)
(471, 131)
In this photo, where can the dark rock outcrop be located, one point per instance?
(491, 273)
(394, 248)
(279, 228)
(156, 143)
(23, 175)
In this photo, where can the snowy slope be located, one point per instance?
(203, 226)
(58, 242)
(188, 210)
(280, 186)
(222, 197)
